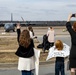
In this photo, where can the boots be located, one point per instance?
(72, 73)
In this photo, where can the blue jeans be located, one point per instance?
(59, 68)
(24, 72)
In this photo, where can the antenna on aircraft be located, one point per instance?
(23, 20)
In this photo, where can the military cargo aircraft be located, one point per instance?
(9, 26)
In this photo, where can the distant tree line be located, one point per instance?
(36, 23)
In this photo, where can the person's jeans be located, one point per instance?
(59, 68)
(24, 72)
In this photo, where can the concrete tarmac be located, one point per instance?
(44, 69)
(48, 69)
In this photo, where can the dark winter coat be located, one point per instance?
(23, 51)
(72, 56)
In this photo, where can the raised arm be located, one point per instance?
(69, 17)
(18, 31)
(68, 24)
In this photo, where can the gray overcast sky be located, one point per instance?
(37, 10)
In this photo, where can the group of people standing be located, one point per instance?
(25, 51)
